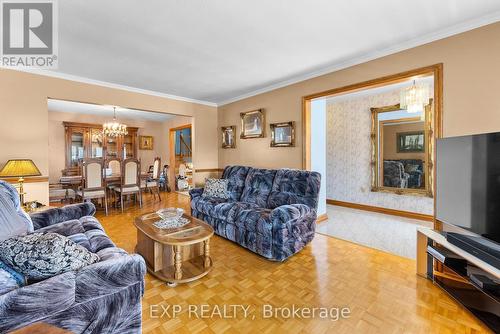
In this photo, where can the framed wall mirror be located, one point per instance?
(402, 143)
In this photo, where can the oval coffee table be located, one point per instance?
(176, 255)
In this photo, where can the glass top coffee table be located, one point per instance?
(175, 255)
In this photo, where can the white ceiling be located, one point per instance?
(219, 50)
(107, 111)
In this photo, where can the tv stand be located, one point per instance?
(466, 278)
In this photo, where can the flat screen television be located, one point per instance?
(468, 185)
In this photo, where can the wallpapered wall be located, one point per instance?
(348, 174)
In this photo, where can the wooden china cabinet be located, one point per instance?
(84, 140)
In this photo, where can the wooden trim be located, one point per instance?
(209, 170)
(435, 69)
(306, 134)
(28, 179)
(182, 127)
(392, 212)
(322, 218)
(171, 142)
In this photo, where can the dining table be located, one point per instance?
(75, 181)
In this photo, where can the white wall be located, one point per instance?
(318, 147)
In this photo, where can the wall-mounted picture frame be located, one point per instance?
(283, 134)
(411, 142)
(252, 124)
(146, 142)
(228, 136)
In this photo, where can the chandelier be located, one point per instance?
(414, 98)
(114, 129)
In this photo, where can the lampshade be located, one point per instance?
(19, 168)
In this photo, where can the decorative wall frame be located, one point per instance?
(252, 124)
(283, 134)
(228, 136)
(407, 142)
(429, 136)
(146, 142)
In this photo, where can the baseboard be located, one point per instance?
(393, 212)
(322, 218)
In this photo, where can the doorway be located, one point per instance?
(181, 158)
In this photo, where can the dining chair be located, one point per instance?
(115, 166)
(130, 180)
(93, 186)
(163, 182)
(153, 183)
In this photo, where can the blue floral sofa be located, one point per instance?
(104, 297)
(270, 212)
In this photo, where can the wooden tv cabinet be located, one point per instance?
(453, 276)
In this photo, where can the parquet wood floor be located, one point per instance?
(381, 290)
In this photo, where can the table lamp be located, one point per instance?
(20, 168)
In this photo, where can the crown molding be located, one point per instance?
(76, 78)
(440, 34)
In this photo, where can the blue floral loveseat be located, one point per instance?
(270, 212)
(104, 297)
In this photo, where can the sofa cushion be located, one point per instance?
(216, 188)
(206, 205)
(258, 185)
(40, 256)
(255, 220)
(10, 279)
(72, 229)
(98, 239)
(236, 176)
(13, 220)
(293, 186)
(230, 210)
(59, 215)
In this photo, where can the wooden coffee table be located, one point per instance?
(177, 255)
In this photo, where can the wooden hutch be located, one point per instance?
(84, 140)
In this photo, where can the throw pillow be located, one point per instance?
(216, 188)
(13, 220)
(10, 279)
(39, 256)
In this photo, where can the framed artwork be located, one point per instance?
(410, 142)
(145, 142)
(228, 136)
(283, 134)
(252, 124)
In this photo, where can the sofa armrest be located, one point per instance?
(34, 302)
(59, 215)
(290, 212)
(109, 276)
(195, 192)
(293, 227)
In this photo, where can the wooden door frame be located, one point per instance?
(436, 70)
(172, 151)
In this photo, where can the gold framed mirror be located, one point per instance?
(402, 147)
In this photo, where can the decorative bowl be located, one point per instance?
(170, 214)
